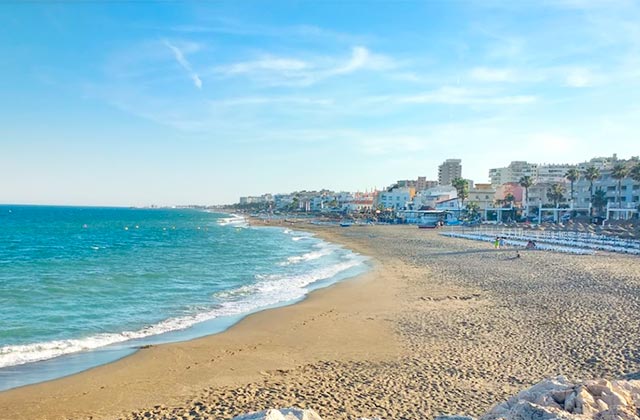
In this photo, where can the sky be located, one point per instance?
(132, 103)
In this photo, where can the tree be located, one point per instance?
(572, 175)
(555, 193)
(526, 182)
(634, 172)
(591, 174)
(619, 172)
(473, 209)
(599, 200)
(462, 187)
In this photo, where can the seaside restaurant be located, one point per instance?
(426, 217)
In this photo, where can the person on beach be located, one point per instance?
(496, 243)
(501, 242)
(531, 245)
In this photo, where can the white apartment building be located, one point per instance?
(629, 194)
(553, 173)
(513, 173)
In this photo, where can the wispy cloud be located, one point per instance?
(181, 59)
(463, 96)
(276, 70)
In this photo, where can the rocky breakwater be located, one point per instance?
(556, 398)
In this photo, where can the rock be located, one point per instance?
(282, 414)
(552, 399)
(558, 398)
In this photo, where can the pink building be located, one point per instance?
(512, 188)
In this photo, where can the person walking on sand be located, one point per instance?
(496, 243)
(501, 242)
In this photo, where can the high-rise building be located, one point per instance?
(449, 170)
(513, 173)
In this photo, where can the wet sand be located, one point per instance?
(439, 325)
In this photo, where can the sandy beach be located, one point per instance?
(439, 325)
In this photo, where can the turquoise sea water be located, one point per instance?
(84, 286)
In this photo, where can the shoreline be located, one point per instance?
(70, 364)
(439, 326)
(145, 358)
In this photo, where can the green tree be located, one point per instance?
(555, 193)
(462, 188)
(599, 200)
(619, 172)
(473, 209)
(572, 175)
(634, 173)
(591, 174)
(526, 182)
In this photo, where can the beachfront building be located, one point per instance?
(538, 195)
(482, 194)
(428, 198)
(553, 173)
(396, 198)
(449, 170)
(510, 189)
(262, 199)
(513, 173)
(602, 163)
(629, 191)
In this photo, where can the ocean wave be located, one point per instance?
(235, 220)
(309, 256)
(268, 291)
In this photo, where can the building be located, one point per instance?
(483, 195)
(397, 198)
(538, 195)
(422, 183)
(629, 191)
(430, 197)
(553, 173)
(449, 170)
(513, 173)
(510, 188)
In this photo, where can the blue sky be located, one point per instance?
(133, 103)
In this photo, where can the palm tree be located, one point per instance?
(555, 193)
(462, 188)
(526, 182)
(619, 172)
(599, 200)
(591, 174)
(634, 172)
(572, 175)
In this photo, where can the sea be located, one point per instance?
(84, 286)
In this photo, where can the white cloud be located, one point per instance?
(180, 58)
(579, 77)
(266, 64)
(462, 96)
(293, 71)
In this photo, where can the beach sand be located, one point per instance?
(440, 325)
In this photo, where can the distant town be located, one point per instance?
(601, 188)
